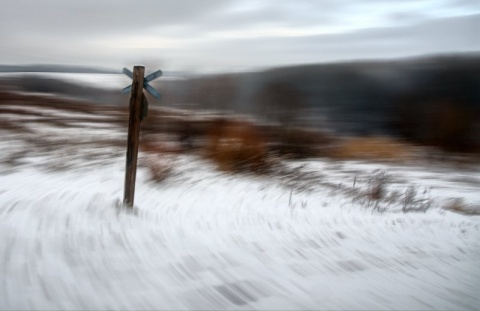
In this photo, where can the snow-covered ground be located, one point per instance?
(209, 240)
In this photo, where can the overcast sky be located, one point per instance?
(231, 35)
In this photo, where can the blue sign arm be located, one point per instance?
(127, 89)
(128, 73)
(151, 90)
(146, 86)
(153, 76)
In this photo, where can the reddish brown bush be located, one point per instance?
(237, 146)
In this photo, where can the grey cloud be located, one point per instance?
(439, 36)
(467, 3)
(89, 17)
(281, 13)
(68, 31)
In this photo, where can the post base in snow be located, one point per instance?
(124, 207)
(127, 204)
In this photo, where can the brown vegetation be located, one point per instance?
(459, 206)
(297, 143)
(372, 148)
(237, 146)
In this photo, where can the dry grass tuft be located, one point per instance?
(160, 167)
(459, 206)
(379, 197)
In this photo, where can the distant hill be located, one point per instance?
(55, 68)
(354, 97)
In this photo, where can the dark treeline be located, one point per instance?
(434, 100)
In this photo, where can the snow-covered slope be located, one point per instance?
(208, 240)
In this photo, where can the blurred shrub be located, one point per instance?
(448, 124)
(451, 127)
(156, 147)
(298, 143)
(237, 146)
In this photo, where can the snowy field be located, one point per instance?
(203, 239)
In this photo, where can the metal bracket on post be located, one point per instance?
(138, 112)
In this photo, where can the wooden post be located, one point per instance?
(133, 134)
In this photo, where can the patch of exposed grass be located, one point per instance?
(372, 148)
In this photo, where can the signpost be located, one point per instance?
(138, 111)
